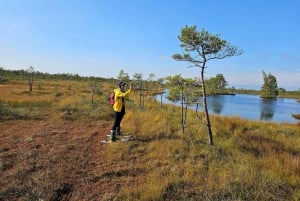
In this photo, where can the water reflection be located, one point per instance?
(267, 109)
(215, 103)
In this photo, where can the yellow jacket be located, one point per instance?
(118, 99)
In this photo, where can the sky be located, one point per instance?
(102, 37)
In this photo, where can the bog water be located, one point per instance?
(251, 107)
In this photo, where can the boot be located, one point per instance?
(118, 131)
(113, 135)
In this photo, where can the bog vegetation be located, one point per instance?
(50, 148)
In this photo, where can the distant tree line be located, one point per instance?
(152, 86)
(6, 75)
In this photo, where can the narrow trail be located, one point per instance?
(68, 157)
(94, 187)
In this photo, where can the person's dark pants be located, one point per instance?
(118, 118)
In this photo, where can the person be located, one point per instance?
(119, 109)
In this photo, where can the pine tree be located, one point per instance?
(198, 48)
(269, 88)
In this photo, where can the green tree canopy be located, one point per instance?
(123, 76)
(216, 85)
(269, 88)
(179, 87)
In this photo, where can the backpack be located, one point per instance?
(112, 99)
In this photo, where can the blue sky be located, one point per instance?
(101, 37)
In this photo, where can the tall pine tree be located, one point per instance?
(269, 88)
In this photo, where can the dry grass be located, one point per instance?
(59, 155)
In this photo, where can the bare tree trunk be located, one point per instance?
(143, 100)
(182, 119)
(140, 98)
(140, 93)
(30, 83)
(211, 142)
